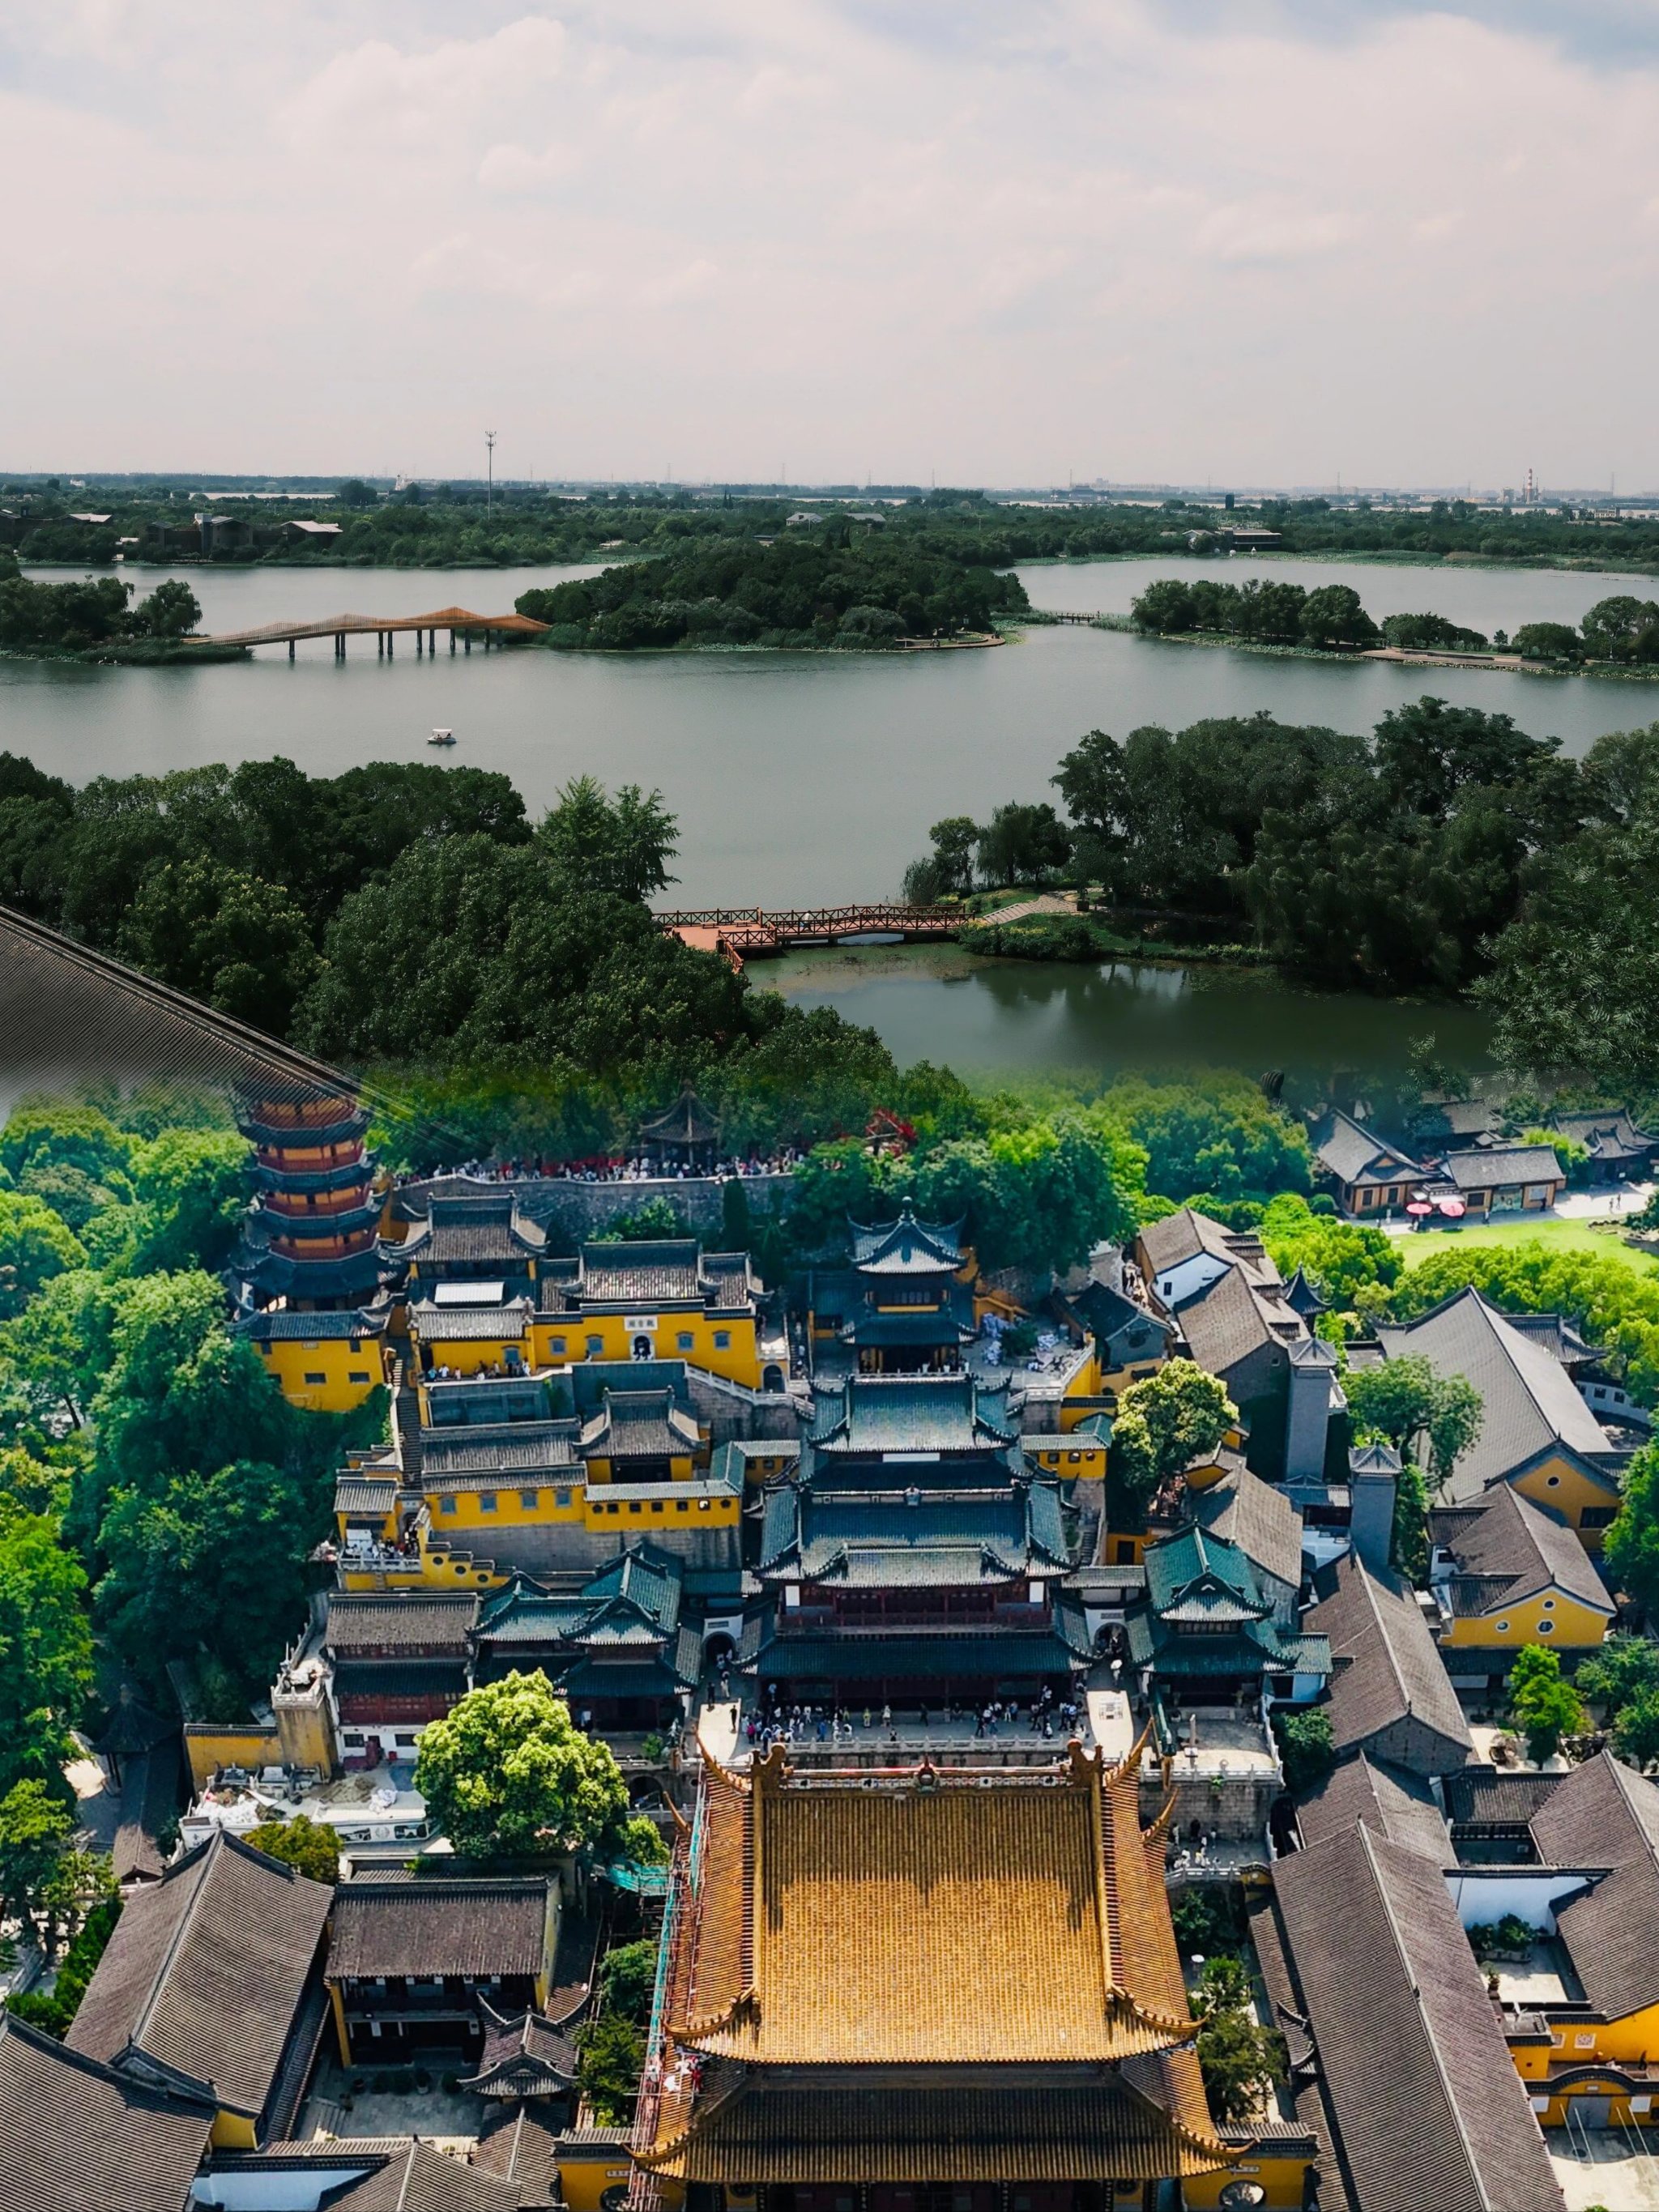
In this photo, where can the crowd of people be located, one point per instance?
(635, 1168)
(1048, 1715)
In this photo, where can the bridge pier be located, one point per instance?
(452, 644)
(432, 643)
(290, 648)
(466, 642)
(380, 645)
(339, 644)
(420, 643)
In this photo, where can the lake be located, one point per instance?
(997, 1016)
(797, 777)
(812, 778)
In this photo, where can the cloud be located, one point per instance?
(1147, 240)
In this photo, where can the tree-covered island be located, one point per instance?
(841, 585)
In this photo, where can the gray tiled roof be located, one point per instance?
(520, 2143)
(1258, 1517)
(1490, 1795)
(1514, 1543)
(370, 1621)
(473, 1228)
(1426, 2099)
(1492, 1167)
(472, 1928)
(1235, 1317)
(74, 2136)
(1389, 1800)
(1387, 1666)
(498, 1447)
(1608, 1136)
(284, 1327)
(1528, 1400)
(1605, 1815)
(436, 1324)
(639, 1425)
(206, 1968)
(1355, 1154)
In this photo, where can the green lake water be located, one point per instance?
(805, 778)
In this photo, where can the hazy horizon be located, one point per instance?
(1264, 245)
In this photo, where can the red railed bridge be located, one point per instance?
(749, 933)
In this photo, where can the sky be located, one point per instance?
(1221, 240)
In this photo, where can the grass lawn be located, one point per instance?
(1561, 1235)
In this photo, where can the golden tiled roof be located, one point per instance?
(950, 1917)
(928, 1976)
(786, 2132)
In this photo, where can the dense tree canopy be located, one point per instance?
(507, 1772)
(840, 585)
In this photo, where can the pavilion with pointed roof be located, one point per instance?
(944, 1975)
(911, 1313)
(617, 1648)
(683, 1137)
(1207, 1628)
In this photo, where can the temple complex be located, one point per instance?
(923, 1986)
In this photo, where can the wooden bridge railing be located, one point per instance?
(815, 922)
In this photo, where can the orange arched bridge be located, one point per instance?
(749, 933)
(459, 621)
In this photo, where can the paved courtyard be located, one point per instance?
(1602, 2169)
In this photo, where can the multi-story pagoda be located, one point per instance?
(309, 1242)
(933, 1986)
(913, 1557)
(911, 1313)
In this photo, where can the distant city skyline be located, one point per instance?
(1266, 245)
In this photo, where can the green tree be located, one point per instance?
(226, 938)
(212, 1566)
(1023, 844)
(46, 1648)
(641, 1840)
(1164, 1422)
(191, 1188)
(36, 1827)
(507, 1772)
(1636, 1730)
(954, 841)
(35, 1244)
(1333, 615)
(1340, 1257)
(1624, 1668)
(1219, 1137)
(1547, 641)
(1631, 1548)
(1404, 1399)
(1541, 1705)
(622, 846)
(1240, 2062)
(310, 1846)
(171, 610)
(612, 2059)
(1307, 1744)
(628, 1980)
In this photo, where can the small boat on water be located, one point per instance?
(441, 737)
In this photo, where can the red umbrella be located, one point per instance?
(1452, 1208)
(1419, 1207)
